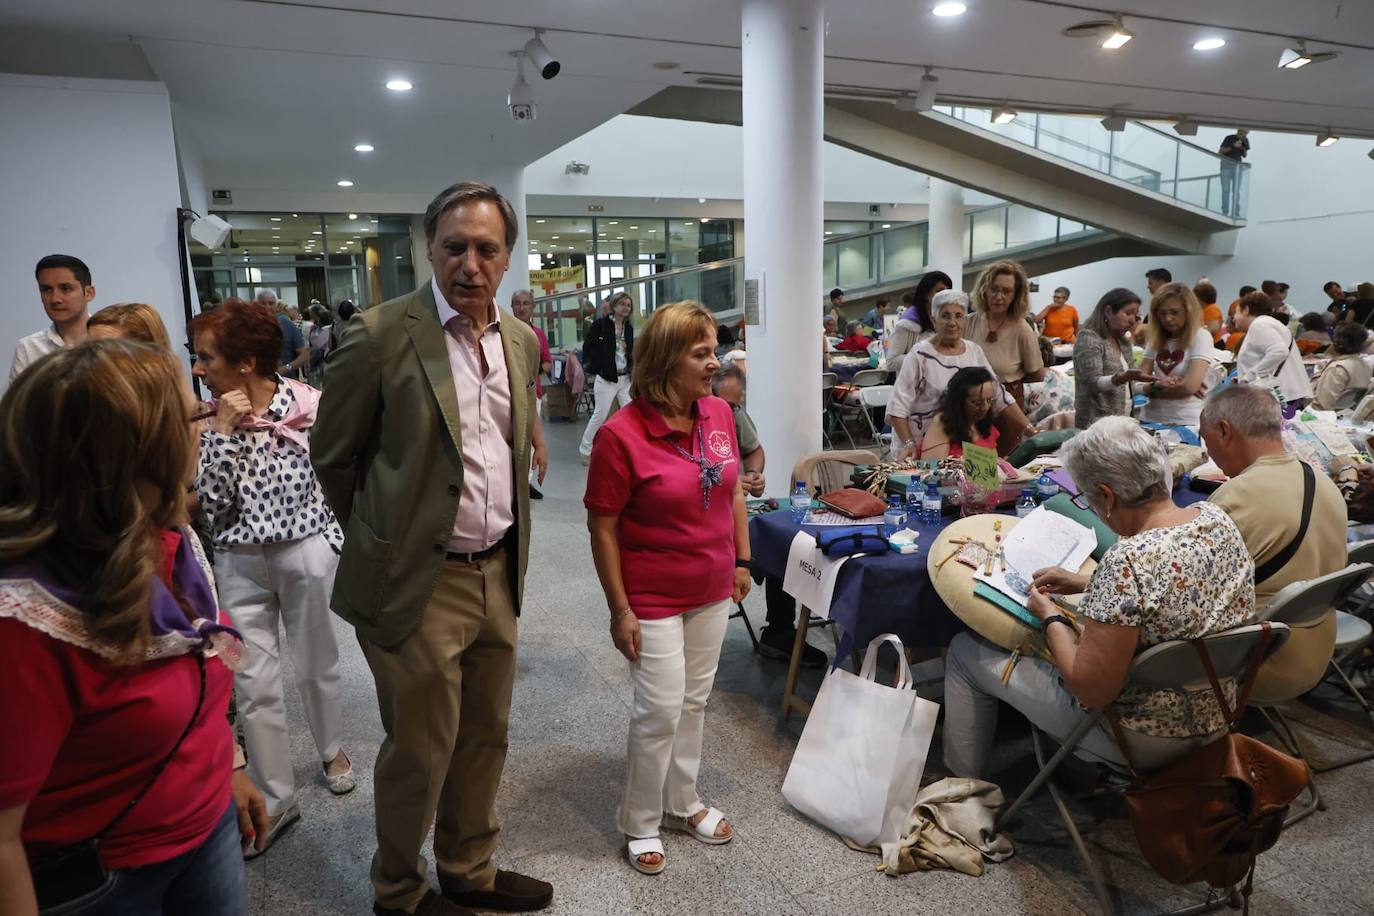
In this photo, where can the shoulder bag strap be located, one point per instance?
(1243, 699)
(200, 700)
(1280, 559)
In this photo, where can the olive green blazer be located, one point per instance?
(386, 449)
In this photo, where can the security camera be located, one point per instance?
(539, 55)
(521, 99)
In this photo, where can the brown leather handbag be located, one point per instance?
(1209, 815)
(852, 502)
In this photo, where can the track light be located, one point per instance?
(1295, 58)
(1003, 115)
(539, 55)
(1327, 139)
(1114, 123)
(925, 92)
(1186, 128)
(1115, 35)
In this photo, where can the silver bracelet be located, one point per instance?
(615, 618)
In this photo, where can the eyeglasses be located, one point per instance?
(997, 292)
(1081, 501)
(980, 402)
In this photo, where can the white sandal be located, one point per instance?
(703, 830)
(643, 847)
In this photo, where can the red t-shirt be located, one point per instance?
(84, 736)
(675, 556)
(545, 356)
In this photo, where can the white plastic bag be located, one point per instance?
(857, 768)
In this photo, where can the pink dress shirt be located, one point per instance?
(486, 506)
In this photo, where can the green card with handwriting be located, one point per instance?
(980, 465)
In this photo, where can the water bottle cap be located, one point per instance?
(1028, 491)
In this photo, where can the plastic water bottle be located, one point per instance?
(894, 519)
(915, 496)
(930, 505)
(1026, 504)
(801, 502)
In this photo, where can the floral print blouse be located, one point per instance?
(1181, 582)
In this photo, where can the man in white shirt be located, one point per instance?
(64, 284)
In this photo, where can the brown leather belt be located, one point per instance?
(475, 557)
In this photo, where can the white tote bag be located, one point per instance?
(858, 765)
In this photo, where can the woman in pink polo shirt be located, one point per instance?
(670, 538)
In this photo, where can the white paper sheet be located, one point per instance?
(1040, 540)
(811, 575)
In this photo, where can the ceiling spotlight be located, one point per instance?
(949, 9)
(399, 85)
(887, 225)
(1327, 139)
(925, 92)
(344, 183)
(539, 55)
(363, 148)
(1295, 58)
(1114, 123)
(1186, 128)
(521, 99)
(1209, 44)
(701, 200)
(1003, 115)
(1114, 35)
(352, 216)
(275, 219)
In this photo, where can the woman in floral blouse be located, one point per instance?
(1176, 573)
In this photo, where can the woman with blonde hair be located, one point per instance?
(132, 321)
(1001, 301)
(1178, 353)
(670, 539)
(119, 792)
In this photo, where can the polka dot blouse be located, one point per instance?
(258, 488)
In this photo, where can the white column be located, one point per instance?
(946, 227)
(782, 57)
(510, 181)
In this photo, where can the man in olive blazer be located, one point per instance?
(424, 436)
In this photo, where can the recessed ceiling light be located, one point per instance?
(613, 222)
(276, 236)
(571, 248)
(400, 257)
(344, 183)
(399, 85)
(1209, 44)
(701, 200)
(374, 220)
(363, 148)
(620, 238)
(688, 223)
(275, 248)
(276, 219)
(828, 232)
(666, 65)
(352, 216)
(601, 235)
(584, 230)
(245, 260)
(317, 232)
(634, 227)
(949, 9)
(887, 225)
(653, 230)
(540, 221)
(553, 236)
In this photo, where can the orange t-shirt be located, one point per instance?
(1060, 323)
(1213, 313)
(1233, 342)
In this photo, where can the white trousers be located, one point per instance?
(262, 586)
(673, 677)
(606, 393)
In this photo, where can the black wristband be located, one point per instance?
(1060, 618)
(744, 564)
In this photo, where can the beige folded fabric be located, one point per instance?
(950, 826)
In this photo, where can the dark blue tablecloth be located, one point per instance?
(845, 373)
(873, 595)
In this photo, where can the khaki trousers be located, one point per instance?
(445, 698)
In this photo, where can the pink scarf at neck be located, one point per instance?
(305, 401)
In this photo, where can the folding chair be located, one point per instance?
(1170, 665)
(872, 399)
(852, 406)
(1362, 599)
(739, 612)
(829, 418)
(1302, 604)
(823, 472)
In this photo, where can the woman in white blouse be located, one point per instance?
(926, 373)
(1270, 353)
(276, 546)
(1178, 354)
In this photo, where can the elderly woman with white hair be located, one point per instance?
(1176, 573)
(926, 372)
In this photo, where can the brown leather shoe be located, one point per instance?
(431, 904)
(515, 893)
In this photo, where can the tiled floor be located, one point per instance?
(562, 781)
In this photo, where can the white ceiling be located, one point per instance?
(274, 94)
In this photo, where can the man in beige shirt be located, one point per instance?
(1264, 497)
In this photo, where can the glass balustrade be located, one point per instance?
(1141, 155)
(855, 263)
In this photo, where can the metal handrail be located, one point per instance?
(646, 278)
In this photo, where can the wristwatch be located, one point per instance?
(744, 563)
(1060, 618)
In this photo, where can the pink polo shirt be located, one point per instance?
(675, 555)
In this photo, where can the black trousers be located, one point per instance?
(782, 607)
